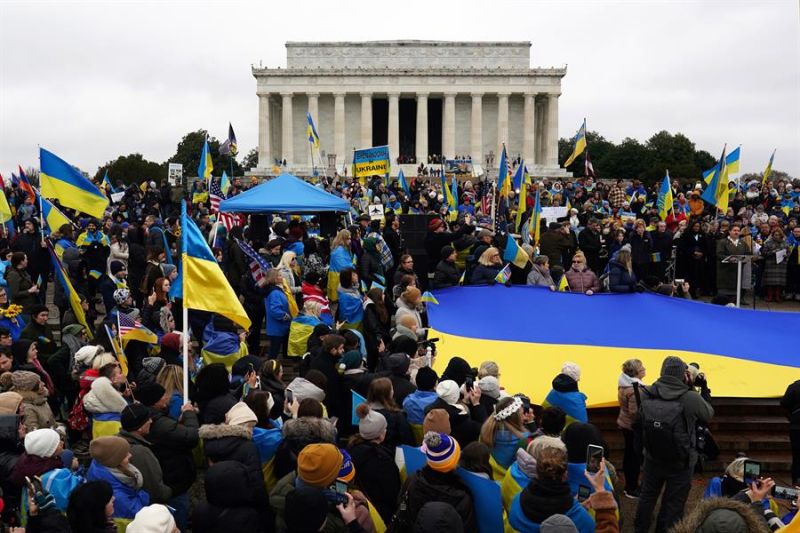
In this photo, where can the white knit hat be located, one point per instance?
(572, 370)
(154, 518)
(448, 391)
(42, 442)
(239, 414)
(85, 354)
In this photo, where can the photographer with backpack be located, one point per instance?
(668, 414)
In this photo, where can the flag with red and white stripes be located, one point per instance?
(215, 196)
(258, 265)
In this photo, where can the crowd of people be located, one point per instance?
(95, 436)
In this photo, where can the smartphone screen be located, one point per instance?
(468, 384)
(341, 487)
(289, 396)
(784, 493)
(583, 493)
(594, 455)
(752, 471)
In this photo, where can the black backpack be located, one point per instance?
(664, 431)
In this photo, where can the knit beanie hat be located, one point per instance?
(66, 458)
(438, 421)
(306, 509)
(134, 416)
(426, 378)
(351, 360)
(109, 451)
(42, 442)
(120, 295)
(154, 518)
(153, 365)
(116, 266)
(150, 393)
(318, 464)
(22, 380)
(85, 354)
(348, 470)
(572, 370)
(9, 403)
(371, 423)
(490, 387)
(240, 414)
(447, 251)
(558, 523)
(102, 360)
(442, 451)
(172, 340)
(489, 368)
(398, 364)
(168, 269)
(673, 366)
(449, 391)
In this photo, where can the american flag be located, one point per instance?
(258, 265)
(215, 195)
(126, 324)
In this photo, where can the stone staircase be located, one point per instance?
(757, 427)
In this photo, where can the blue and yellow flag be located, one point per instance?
(311, 131)
(768, 170)
(73, 297)
(716, 192)
(429, 298)
(61, 180)
(522, 206)
(665, 199)
(5, 209)
(580, 144)
(51, 215)
(452, 208)
(206, 166)
(401, 179)
(503, 179)
(224, 184)
(300, 330)
(204, 285)
(117, 349)
(106, 184)
(732, 162)
(563, 284)
(515, 254)
(504, 275)
(536, 219)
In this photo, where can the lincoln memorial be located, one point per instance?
(421, 98)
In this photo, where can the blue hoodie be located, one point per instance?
(415, 403)
(127, 500)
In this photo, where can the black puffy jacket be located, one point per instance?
(173, 443)
(228, 506)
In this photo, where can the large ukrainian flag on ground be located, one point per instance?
(59, 179)
(204, 285)
(530, 347)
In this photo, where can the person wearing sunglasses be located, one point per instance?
(580, 278)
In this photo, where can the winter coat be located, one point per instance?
(128, 500)
(19, 282)
(42, 335)
(590, 244)
(484, 274)
(428, 485)
(38, 414)
(538, 277)
(555, 245)
(277, 312)
(336, 395)
(297, 434)
(582, 280)
(228, 506)
(446, 275)
(10, 444)
(627, 401)
(791, 403)
(369, 268)
(415, 404)
(774, 272)
(213, 411)
(540, 500)
(404, 308)
(277, 390)
(223, 442)
(465, 425)
(726, 272)
(434, 242)
(398, 430)
(374, 330)
(641, 248)
(103, 398)
(402, 386)
(32, 465)
(565, 395)
(172, 444)
(145, 461)
(377, 476)
(729, 516)
(619, 279)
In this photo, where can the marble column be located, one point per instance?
(313, 110)
(422, 128)
(366, 120)
(287, 137)
(394, 127)
(449, 126)
(476, 129)
(338, 129)
(529, 128)
(502, 125)
(264, 152)
(551, 157)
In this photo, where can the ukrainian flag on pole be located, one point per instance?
(503, 179)
(716, 192)
(665, 199)
(5, 209)
(514, 254)
(61, 180)
(311, 131)
(536, 219)
(580, 144)
(206, 166)
(52, 216)
(73, 297)
(732, 162)
(401, 179)
(768, 171)
(204, 285)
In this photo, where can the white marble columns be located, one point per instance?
(313, 110)
(422, 128)
(338, 128)
(287, 136)
(502, 125)
(529, 130)
(476, 127)
(449, 126)
(551, 155)
(264, 153)
(366, 120)
(394, 125)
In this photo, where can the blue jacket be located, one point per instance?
(277, 311)
(415, 403)
(127, 500)
(521, 523)
(15, 329)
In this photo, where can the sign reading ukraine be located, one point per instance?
(530, 332)
(371, 162)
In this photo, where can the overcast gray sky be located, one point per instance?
(94, 80)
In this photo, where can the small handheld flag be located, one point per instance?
(130, 329)
(513, 253)
(504, 275)
(563, 284)
(39, 281)
(429, 298)
(401, 179)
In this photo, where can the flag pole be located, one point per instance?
(41, 218)
(185, 335)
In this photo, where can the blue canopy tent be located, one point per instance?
(284, 194)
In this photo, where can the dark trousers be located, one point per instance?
(254, 337)
(794, 438)
(277, 345)
(676, 482)
(630, 462)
